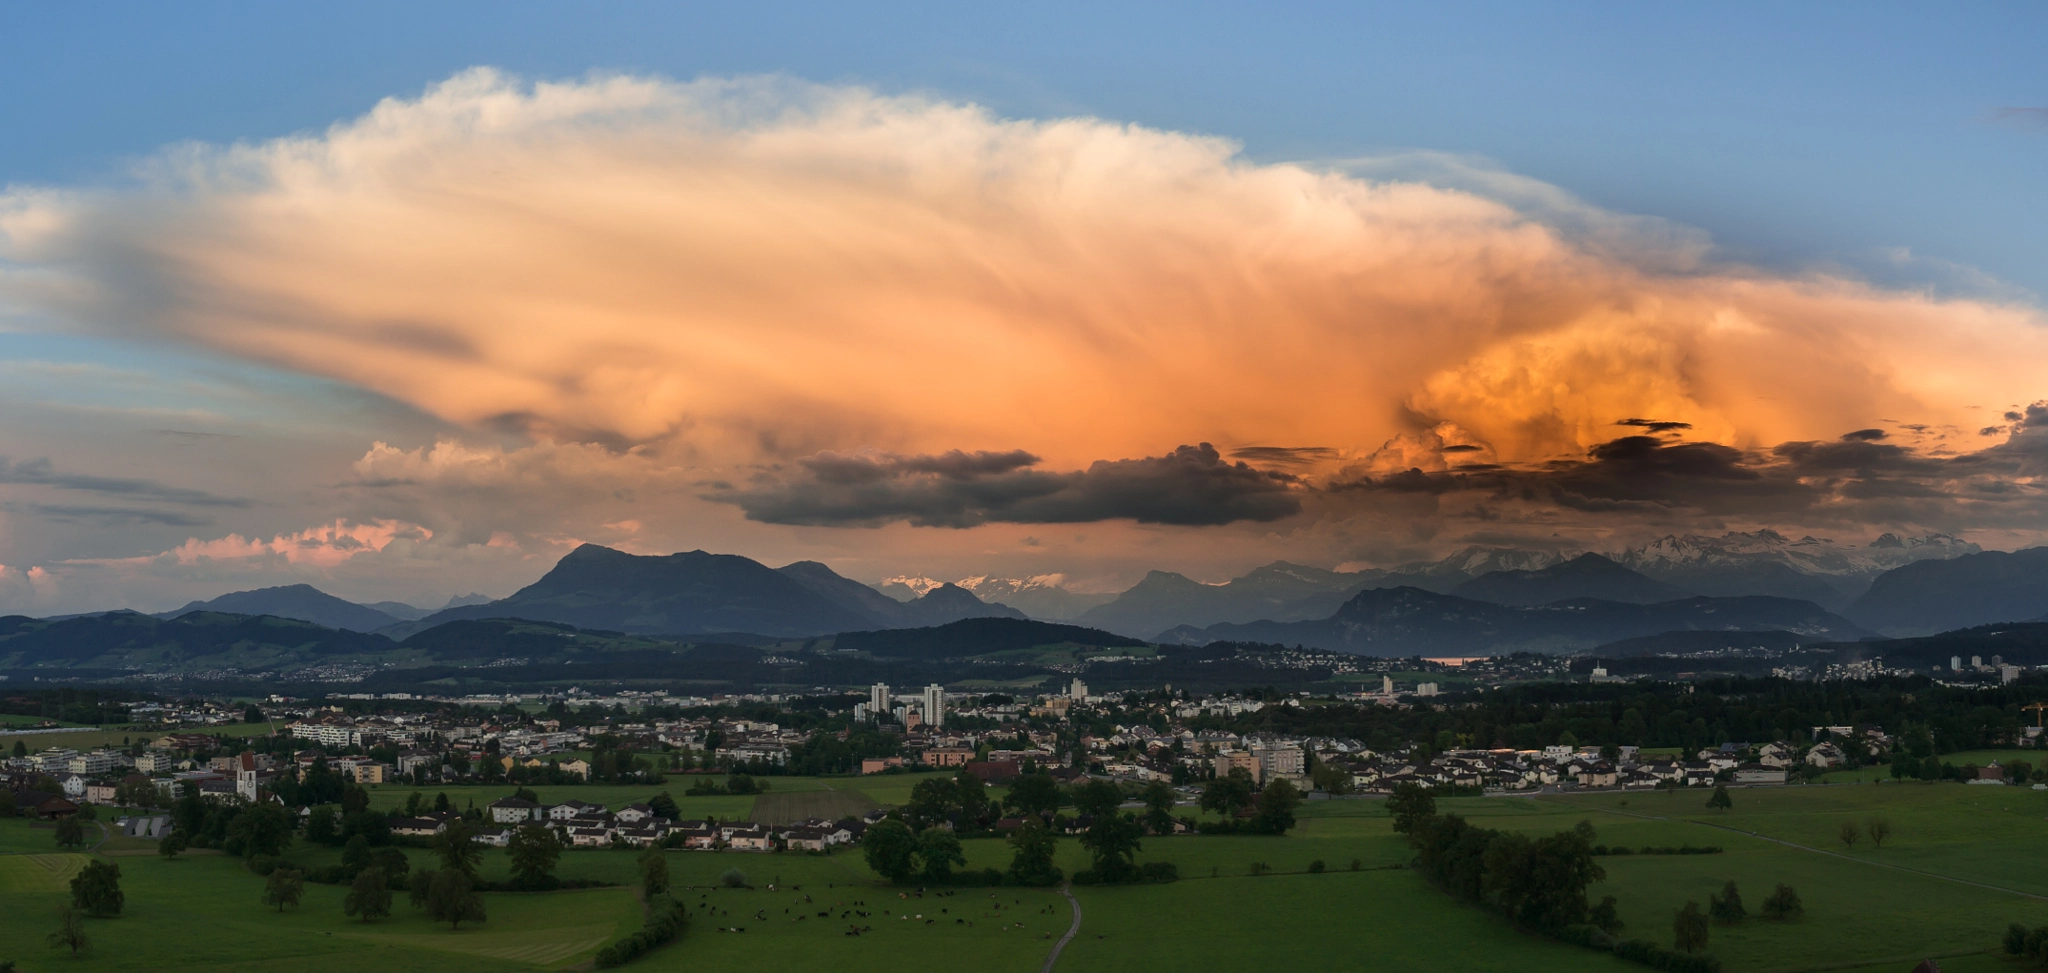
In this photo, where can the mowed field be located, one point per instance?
(1959, 866)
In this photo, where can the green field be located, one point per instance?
(1958, 867)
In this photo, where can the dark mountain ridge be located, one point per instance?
(1985, 588)
(699, 593)
(1409, 621)
(296, 601)
(1585, 576)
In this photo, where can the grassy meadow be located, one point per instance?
(1956, 869)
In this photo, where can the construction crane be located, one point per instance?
(2037, 708)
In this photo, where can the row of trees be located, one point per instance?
(1926, 717)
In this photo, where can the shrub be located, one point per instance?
(1657, 957)
(1783, 904)
(1357, 865)
(1315, 867)
(264, 864)
(1727, 907)
(665, 920)
(2016, 939)
(1161, 872)
(1261, 868)
(733, 879)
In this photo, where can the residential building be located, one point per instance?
(947, 757)
(513, 810)
(935, 705)
(878, 699)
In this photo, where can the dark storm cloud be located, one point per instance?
(1860, 478)
(1289, 456)
(1656, 425)
(1191, 486)
(39, 472)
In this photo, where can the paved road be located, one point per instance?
(1817, 851)
(1067, 891)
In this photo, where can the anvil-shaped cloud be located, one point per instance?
(797, 290)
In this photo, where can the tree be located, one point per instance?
(1720, 801)
(1783, 904)
(321, 826)
(453, 900)
(1034, 794)
(285, 887)
(20, 749)
(534, 850)
(891, 850)
(933, 800)
(70, 931)
(1880, 829)
(1409, 804)
(355, 855)
(70, 833)
(171, 844)
(1113, 842)
(457, 849)
(370, 896)
(1276, 806)
(1689, 929)
(1228, 794)
(262, 829)
(973, 795)
(392, 862)
(1159, 799)
(97, 889)
(422, 883)
(1605, 916)
(1097, 797)
(1727, 907)
(253, 715)
(1850, 833)
(1035, 846)
(415, 802)
(937, 852)
(665, 806)
(653, 872)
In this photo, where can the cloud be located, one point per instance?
(1289, 457)
(39, 472)
(1655, 425)
(109, 516)
(323, 546)
(1190, 486)
(746, 272)
(1851, 481)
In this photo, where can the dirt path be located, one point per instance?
(1817, 851)
(1068, 891)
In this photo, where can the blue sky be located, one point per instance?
(1796, 134)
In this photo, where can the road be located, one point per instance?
(1067, 891)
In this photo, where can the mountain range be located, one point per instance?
(1397, 622)
(699, 593)
(1934, 583)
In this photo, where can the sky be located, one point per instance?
(406, 303)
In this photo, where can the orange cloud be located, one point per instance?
(324, 546)
(726, 273)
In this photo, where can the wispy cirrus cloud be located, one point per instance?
(40, 472)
